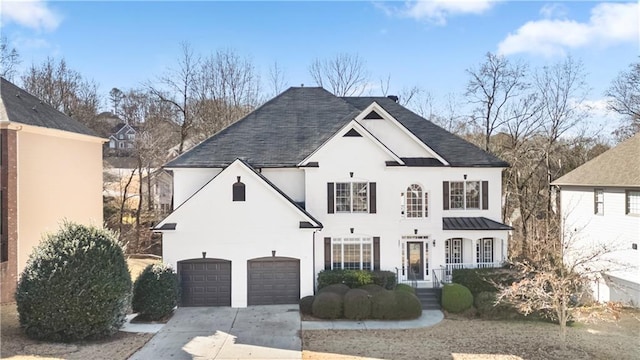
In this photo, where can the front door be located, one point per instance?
(416, 261)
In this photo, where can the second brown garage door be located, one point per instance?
(205, 282)
(273, 280)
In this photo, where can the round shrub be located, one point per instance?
(357, 304)
(372, 288)
(75, 286)
(383, 305)
(485, 303)
(327, 305)
(155, 292)
(405, 288)
(339, 289)
(456, 298)
(408, 305)
(306, 304)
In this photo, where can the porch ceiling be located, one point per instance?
(472, 223)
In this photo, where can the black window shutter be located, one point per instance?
(445, 195)
(372, 198)
(376, 253)
(330, 198)
(485, 195)
(327, 253)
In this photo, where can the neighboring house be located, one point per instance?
(600, 203)
(122, 139)
(310, 181)
(51, 170)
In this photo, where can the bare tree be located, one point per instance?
(115, 97)
(343, 75)
(9, 59)
(624, 94)
(178, 88)
(64, 89)
(277, 79)
(491, 87)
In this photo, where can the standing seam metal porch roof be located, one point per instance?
(289, 127)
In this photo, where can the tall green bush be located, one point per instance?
(456, 298)
(75, 286)
(482, 280)
(155, 292)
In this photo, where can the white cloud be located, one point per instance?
(555, 10)
(609, 24)
(32, 14)
(437, 11)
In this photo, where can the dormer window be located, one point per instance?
(239, 191)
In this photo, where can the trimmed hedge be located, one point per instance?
(155, 292)
(75, 286)
(306, 305)
(372, 288)
(480, 280)
(327, 305)
(405, 288)
(456, 298)
(356, 278)
(339, 289)
(357, 304)
(408, 305)
(383, 305)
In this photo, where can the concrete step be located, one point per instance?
(429, 298)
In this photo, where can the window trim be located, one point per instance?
(465, 194)
(350, 240)
(481, 250)
(596, 202)
(366, 200)
(423, 206)
(627, 202)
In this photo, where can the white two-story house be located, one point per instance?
(600, 206)
(310, 181)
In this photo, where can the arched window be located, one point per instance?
(416, 202)
(238, 191)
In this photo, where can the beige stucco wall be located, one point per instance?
(59, 177)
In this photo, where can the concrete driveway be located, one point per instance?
(256, 332)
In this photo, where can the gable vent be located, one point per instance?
(373, 115)
(352, 133)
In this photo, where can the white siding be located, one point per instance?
(395, 138)
(289, 180)
(186, 181)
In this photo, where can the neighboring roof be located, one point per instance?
(618, 166)
(472, 223)
(24, 108)
(288, 128)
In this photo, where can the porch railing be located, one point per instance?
(411, 278)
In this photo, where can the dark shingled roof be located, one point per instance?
(288, 128)
(472, 223)
(24, 108)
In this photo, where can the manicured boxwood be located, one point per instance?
(75, 286)
(408, 305)
(306, 304)
(456, 298)
(327, 305)
(372, 288)
(405, 288)
(383, 305)
(357, 304)
(356, 278)
(339, 289)
(481, 280)
(155, 292)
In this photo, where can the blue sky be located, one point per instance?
(426, 44)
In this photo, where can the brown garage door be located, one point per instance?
(273, 280)
(205, 282)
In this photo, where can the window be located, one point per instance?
(632, 202)
(239, 191)
(416, 202)
(131, 136)
(598, 201)
(352, 197)
(352, 253)
(453, 251)
(466, 195)
(484, 250)
(121, 145)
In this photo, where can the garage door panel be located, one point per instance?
(273, 280)
(205, 282)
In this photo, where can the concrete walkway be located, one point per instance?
(151, 328)
(428, 318)
(256, 332)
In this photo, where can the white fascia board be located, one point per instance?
(380, 110)
(353, 124)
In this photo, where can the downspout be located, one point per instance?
(313, 262)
